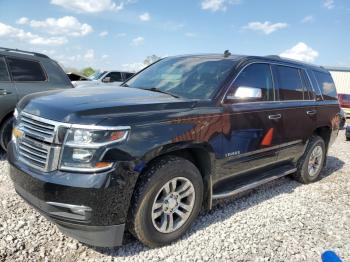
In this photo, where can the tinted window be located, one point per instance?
(115, 77)
(326, 84)
(4, 75)
(308, 91)
(257, 76)
(25, 70)
(289, 83)
(189, 77)
(128, 75)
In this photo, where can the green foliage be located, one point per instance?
(88, 71)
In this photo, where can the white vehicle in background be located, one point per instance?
(103, 78)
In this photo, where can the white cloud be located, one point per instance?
(266, 27)
(137, 41)
(7, 31)
(217, 5)
(145, 17)
(89, 6)
(22, 21)
(67, 25)
(89, 54)
(133, 67)
(190, 34)
(103, 33)
(301, 52)
(329, 4)
(308, 19)
(121, 35)
(104, 56)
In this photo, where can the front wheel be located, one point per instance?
(6, 132)
(310, 165)
(166, 201)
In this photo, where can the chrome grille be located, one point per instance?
(34, 153)
(36, 128)
(36, 148)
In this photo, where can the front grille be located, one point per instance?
(36, 128)
(34, 153)
(36, 148)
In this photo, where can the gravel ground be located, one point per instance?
(280, 221)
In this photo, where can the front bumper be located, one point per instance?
(89, 207)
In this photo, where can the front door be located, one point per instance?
(252, 135)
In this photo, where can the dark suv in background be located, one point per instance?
(23, 73)
(187, 130)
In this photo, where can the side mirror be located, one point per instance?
(246, 93)
(107, 79)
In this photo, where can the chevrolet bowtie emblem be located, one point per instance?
(17, 133)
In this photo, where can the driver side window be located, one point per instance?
(256, 77)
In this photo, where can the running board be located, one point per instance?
(252, 185)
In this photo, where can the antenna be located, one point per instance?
(227, 53)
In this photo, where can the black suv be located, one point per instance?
(23, 73)
(187, 130)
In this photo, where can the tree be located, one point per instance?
(151, 59)
(88, 71)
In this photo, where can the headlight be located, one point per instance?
(83, 148)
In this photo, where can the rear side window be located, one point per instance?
(25, 70)
(257, 76)
(4, 75)
(289, 83)
(326, 84)
(115, 76)
(309, 93)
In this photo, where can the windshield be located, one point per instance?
(189, 77)
(97, 75)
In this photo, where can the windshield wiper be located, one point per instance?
(154, 89)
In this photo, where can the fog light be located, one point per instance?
(83, 155)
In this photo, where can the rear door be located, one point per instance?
(8, 96)
(297, 105)
(253, 127)
(28, 76)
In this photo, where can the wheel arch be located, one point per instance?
(200, 154)
(325, 133)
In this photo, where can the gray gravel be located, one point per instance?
(280, 221)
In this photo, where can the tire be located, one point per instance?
(149, 191)
(304, 175)
(6, 132)
(347, 138)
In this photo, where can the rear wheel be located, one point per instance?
(5, 133)
(311, 164)
(166, 201)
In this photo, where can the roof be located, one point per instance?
(21, 52)
(272, 58)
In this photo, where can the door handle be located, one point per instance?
(275, 117)
(3, 92)
(311, 112)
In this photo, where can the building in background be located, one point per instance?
(341, 77)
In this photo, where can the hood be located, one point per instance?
(92, 105)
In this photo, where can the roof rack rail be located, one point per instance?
(22, 52)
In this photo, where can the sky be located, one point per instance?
(120, 34)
